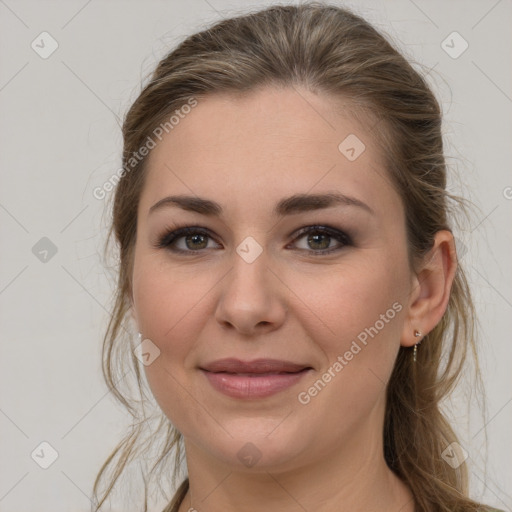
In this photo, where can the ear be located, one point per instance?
(430, 289)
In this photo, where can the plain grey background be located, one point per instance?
(60, 138)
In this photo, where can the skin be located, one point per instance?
(247, 152)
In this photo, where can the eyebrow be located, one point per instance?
(297, 203)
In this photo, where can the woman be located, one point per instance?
(285, 248)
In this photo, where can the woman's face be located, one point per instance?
(250, 282)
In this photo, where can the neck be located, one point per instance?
(353, 477)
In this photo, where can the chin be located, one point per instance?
(257, 444)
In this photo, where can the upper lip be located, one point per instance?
(231, 365)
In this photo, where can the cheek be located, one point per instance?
(352, 300)
(361, 312)
(166, 299)
(170, 310)
(363, 305)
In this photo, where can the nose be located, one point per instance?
(251, 298)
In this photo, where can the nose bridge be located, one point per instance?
(249, 271)
(250, 250)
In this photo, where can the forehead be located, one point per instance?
(263, 145)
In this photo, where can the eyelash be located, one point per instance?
(170, 236)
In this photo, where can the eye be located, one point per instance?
(318, 239)
(195, 239)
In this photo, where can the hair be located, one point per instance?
(329, 50)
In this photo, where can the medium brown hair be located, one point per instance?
(329, 50)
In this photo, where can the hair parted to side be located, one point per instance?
(329, 50)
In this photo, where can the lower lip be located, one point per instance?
(255, 386)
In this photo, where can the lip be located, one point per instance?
(253, 379)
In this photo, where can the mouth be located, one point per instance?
(253, 379)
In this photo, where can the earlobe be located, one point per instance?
(431, 290)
